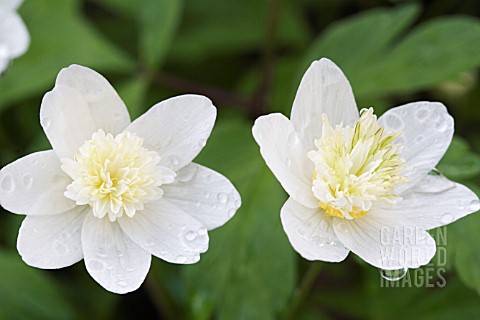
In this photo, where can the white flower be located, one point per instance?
(14, 37)
(113, 192)
(357, 183)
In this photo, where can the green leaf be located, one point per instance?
(28, 293)
(158, 21)
(60, 37)
(460, 162)
(249, 270)
(463, 238)
(212, 28)
(378, 60)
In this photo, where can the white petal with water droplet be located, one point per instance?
(323, 89)
(311, 233)
(167, 232)
(430, 210)
(429, 120)
(111, 258)
(34, 185)
(386, 241)
(67, 120)
(189, 195)
(52, 242)
(286, 157)
(177, 128)
(106, 108)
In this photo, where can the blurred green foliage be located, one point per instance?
(248, 57)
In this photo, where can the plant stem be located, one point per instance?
(159, 298)
(302, 292)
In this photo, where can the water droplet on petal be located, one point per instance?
(441, 125)
(45, 122)
(7, 183)
(27, 181)
(181, 259)
(122, 283)
(96, 265)
(222, 197)
(474, 205)
(289, 162)
(231, 212)
(421, 114)
(35, 161)
(202, 143)
(202, 231)
(393, 275)
(446, 218)
(190, 235)
(101, 253)
(119, 253)
(198, 204)
(342, 227)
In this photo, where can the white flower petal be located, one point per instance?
(427, 132)
(435, 201)
(52, 242)
(34, 185)
(67, 120)
(167, 232)
(311, 233)
(111, 258)
(386, 241)
(14, 36)
(323, 89)
(286, 156)
(204, 194)
(106, 107)
(10, 4)
(176, 128)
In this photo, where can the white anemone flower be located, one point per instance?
(14, 37)
(113, 192)
(358, 183)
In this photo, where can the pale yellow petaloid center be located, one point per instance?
(115, 175)
(356, 168)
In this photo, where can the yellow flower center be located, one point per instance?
(115, 175)
(356, 168)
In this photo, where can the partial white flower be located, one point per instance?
(14, 37)
(358, 183)
(113, 192)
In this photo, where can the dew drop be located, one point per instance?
(394, 122)
(222, 197)
(119, 253)
(101, 253)
(27, 181)
(35, 161)
(289, 162)
(393, 275)
(174, 161)
(170, 226)
(181, 259)
(130, 269)
(293, 140)
(190, 235)
(206, 195)
(96, 265)
(474, 205)
(202, 143)
(7, 183)
(202, 231)
(446, 218)
(198, 204)
(441, 126)
(421, 114)
(64, 235)
(208, 178)
(45, 122)
(122, 283)
(237, 203)
(231, 212)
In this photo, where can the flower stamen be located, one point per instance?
(356, 167)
